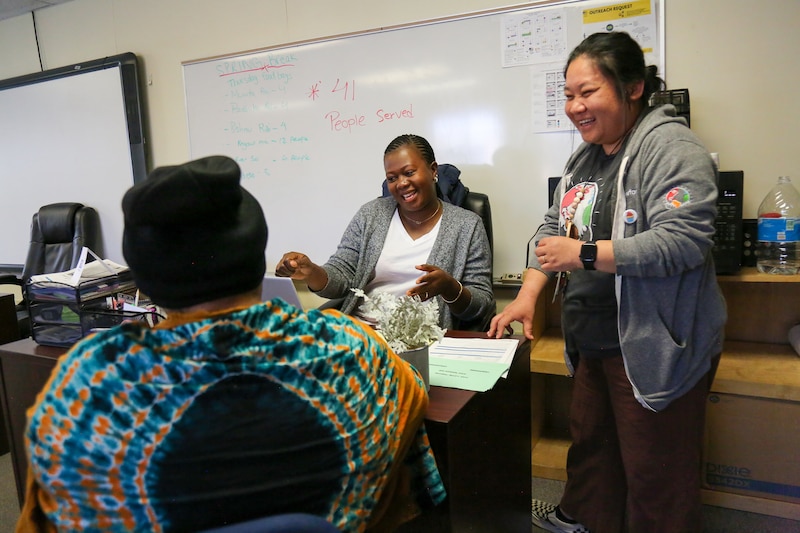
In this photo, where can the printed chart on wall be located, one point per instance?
(308, 122)
(540, 38)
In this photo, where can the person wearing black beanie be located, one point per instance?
(193, 234)
(231, 409)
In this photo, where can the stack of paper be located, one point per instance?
(471, 364)
(98, 278)
(89, 272)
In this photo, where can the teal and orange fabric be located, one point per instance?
(210, 420)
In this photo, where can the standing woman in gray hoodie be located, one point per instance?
(643, 318)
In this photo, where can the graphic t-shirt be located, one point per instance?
(589, 308)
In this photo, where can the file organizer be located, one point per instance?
(61, 313)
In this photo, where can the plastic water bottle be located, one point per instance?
(779, 230)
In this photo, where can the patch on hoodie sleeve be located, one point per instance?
(677, 197)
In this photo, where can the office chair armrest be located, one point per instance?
(10, 279)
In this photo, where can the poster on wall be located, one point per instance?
(637, 18)
(541, 40)
(536, 36)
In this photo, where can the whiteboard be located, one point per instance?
(308, 123)
(69, 135)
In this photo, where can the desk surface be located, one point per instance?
(28, 347)
(444, 403)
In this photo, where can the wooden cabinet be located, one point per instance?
(9, 328)
(24, 369)
(757, 361)
(9, 331)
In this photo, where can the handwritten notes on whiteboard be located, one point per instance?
(273, 110)
(308, 124)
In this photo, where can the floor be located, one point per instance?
(9, 506)
(718, 520)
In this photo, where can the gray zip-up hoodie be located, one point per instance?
(671, 313)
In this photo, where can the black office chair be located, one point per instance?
(58, 234)
(478, 203)
(285, 523)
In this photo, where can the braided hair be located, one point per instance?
(409, 139)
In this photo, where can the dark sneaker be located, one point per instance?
(546, 516)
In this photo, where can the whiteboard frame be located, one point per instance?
(130, 111)
(660, 10)
(507, 250)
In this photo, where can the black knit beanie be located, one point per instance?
(193, 234)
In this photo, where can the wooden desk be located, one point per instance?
(9, 327)
(482, 444)
(481, 441)
(9, 331)
(24, 368)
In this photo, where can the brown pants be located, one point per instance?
(629, 462)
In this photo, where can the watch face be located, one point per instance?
(588, 255)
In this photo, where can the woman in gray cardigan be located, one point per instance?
(409, 243)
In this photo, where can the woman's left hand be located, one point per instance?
(559, 254)
(433, 283)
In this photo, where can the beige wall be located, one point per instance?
(737, 57)
(739, 60)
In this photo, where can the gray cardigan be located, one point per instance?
(461, 249)
(671, 313)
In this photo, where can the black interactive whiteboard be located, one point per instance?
(308, 122)
(72, 134)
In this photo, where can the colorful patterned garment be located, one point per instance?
(201, 423)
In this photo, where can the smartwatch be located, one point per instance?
(588, 255)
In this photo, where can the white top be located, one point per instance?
(395, 271)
